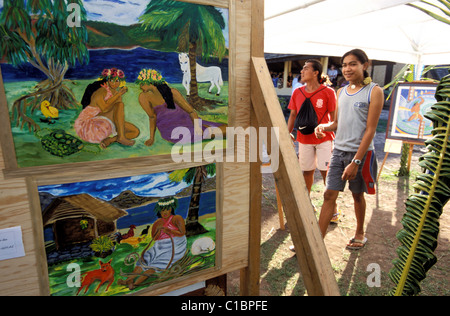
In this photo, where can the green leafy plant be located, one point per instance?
(443, 7)
(36, 32)
(102, 244)
(423, 208)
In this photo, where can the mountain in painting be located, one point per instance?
(104, 34)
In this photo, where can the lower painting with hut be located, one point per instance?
(124, 235)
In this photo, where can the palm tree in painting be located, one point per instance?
(197, 30)
(197, 176)
(37, 32)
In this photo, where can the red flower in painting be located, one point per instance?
(114, 73)
(106, 73)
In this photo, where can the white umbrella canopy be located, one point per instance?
(385, 29)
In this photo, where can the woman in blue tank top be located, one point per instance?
(358, 111)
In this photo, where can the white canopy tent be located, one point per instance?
(385, 29)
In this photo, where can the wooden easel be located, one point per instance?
(411, 149)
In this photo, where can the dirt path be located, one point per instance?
(279, 268)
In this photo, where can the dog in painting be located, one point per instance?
(104, 274)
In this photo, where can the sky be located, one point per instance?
(123, 12)
(153, 185)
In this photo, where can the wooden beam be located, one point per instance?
(311, 252)
(250, 276)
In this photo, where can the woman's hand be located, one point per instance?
(150, 142)
(320, 131)
(350, 172)
(123, 90)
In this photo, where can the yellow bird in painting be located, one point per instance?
(49, 112)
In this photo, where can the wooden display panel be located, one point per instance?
(22, 276)
(118, 224)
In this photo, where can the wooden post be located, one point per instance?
(311, 252)
(250, 276)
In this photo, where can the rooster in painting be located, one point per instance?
(129, 234)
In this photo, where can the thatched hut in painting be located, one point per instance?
(80, 218)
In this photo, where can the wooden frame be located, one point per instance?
(32, 157)
(409, 104)
(16, 186)
(79, 197)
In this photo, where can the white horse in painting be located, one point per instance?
(204, 74)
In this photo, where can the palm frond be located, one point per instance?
(189, 23)
(419, 236)
(444, 8)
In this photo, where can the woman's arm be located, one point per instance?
(178, 221)
(329, 127)
(182, 103)
(148, 108)
(156, 229)
(106, 106)
(375, 108)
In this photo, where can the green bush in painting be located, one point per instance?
(102, 244)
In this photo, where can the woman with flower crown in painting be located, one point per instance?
(102, 120)
(169, 235)
(167, 109)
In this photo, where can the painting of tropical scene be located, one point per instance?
(108, 79)
(124, 235)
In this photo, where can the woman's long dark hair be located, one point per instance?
(167, 95)
(360, 55)
(90, 89)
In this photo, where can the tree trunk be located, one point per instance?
(193, 227)
(52, 89)
(194, 98)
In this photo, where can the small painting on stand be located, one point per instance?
(407, 120)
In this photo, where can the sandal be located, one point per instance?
(355, 241)
(336, 217)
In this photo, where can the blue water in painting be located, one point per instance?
(130, 61)
(144, 215)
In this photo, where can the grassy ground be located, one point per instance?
(280, 272)
(29, 150)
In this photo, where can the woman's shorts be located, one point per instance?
(365, 178)
(312, 157)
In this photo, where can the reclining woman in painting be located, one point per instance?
(167, 110)
(102, 120)
(169, 234)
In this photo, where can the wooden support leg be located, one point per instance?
(280, 209)
(312, 255)
(382, 165)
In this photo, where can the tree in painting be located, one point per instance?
(197, 177)
(38, 32)
(197, 29)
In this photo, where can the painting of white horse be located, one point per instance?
(204, 74)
